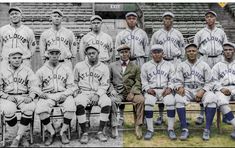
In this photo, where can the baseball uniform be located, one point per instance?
(22, 37)
(210, 44)
(64, 39)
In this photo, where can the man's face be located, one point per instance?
(167, 21)
(54, 56)
(124, 54)
(56, 19)
(210, 19)
(15, 60)
(157, 55)
(92, 55)
(15, 17)
(228, 52)
(131, 21)
(96, 25)
(191, 53)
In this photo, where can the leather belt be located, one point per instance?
(210, 56)
(15, 93)
(171, 59)
(192, 86)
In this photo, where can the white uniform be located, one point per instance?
(56, 82)
(103, 41)
(19, 83)
(210, 44)
(92, 80)
(173, 43)
(137, 40)
(194, 77)
(224, 77)
(22, 37)
(157, 76)
(64, 39)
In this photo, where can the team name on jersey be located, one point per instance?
(157, 72)
(211, 38)
(51, 41)
(14, 36)
(55, 76)
(171, 39)
(227, 71)
(193, 73)
(99, 42)
(132, 37)
(90, 74)
(19, 80)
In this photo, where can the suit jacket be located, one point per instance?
(125, 83)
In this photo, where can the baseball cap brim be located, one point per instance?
(91, 46)
(95, 17)
(131, 14)
(57, 11)
(168, 14)
(14, 9)
(229, 44)
(212, 12)
(189, 45)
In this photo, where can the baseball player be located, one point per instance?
(193, 83)
(60, 36)
(16, 35)
(125, 85)
(57, 85)
(157, 85)
(135, 38)
(92, 79)
(98, 38)
(210, 41)
(224, 78)
(173, 43)
(18, 88)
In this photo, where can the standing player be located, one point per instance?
(57, 85)
(193, 83)
(92, 79)
(60, 36)
(224, 78)
(126, 86)
(98, 38)
(135, 38)
(17, 35)
(172, 41)
(210, 41)
(18, 88)
(156, 78)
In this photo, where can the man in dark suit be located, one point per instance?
(126, 86)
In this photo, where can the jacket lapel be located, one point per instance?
(128, 67)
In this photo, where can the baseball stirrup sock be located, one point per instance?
(67, 121)
(46, 121)
(25, 121)
(83, 127)
(229, 116)
(106, 109)
(210, 113)
(102, 124)
(170, 113)
(182, 116)
(12, 122)
(149, 114)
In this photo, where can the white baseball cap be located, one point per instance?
(157, 47)
(229, 44)
(168, 13)
(13, 51)
(53, 48)
(131, 14)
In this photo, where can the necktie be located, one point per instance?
(124, 63)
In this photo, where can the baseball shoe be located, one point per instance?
(15, 143)
(114, 132)
(50, 140)
(233, 135)
(159, 121)
(199, 120)
(226, 121)
(84, 139)
(64, 139)
(25, 142)
(148, 135)
(206, 135)
(172, 135)
(101, 137)
(184, 135)
(138, 132)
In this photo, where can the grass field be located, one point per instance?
(160, 138)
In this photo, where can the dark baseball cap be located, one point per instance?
(212, 12)
(57, 11)
(189, 45)
(15, 9)
(93, 47)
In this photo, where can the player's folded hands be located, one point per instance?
(226, 91)
(62, 98)
(12, 99)
(181, 91)
(199, 95)
(166, 92)
(28, 100)
(151, 92)
(43, 96)
(94, 99)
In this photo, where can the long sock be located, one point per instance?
(150, 124)
(161, 109)
(64, 128)
(171, 119)
(210, 113)
(182, 116)
(83, 127)
(21, 131)
(102, 124)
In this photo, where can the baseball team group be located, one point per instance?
(164, 70)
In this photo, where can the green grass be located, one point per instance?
(160, 138)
